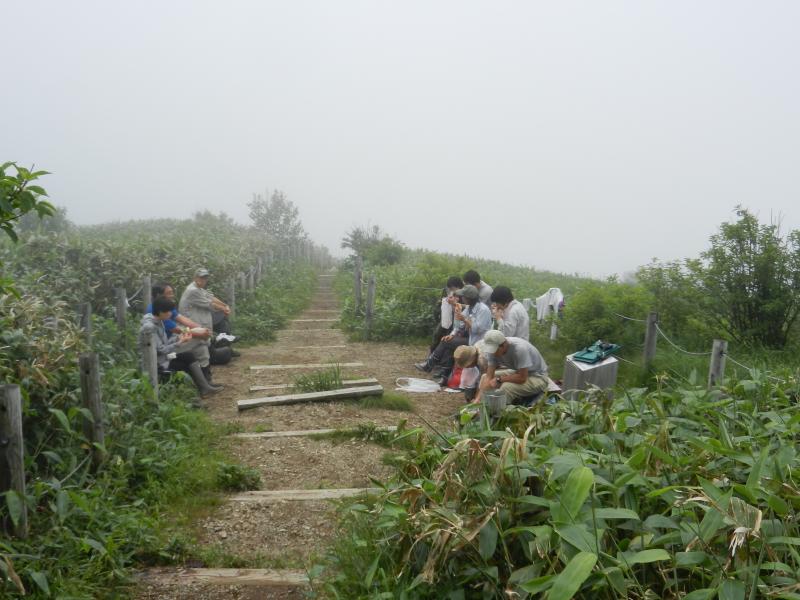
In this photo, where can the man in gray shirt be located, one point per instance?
(515, 367)
(198, 304)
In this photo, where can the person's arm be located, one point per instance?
(520, 376)
(218, 304)
(480, 321)
(186, 321)
(509, 323)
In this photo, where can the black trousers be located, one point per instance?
(442, 356)
(437, 336)
(182, 361)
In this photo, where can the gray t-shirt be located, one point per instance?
(196, 304)
(521, 354)
(485, 293)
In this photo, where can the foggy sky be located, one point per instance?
(574, 136)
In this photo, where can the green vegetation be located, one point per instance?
(388, 401)
(85, 264)
(653, 494)
(745, 287)
(319, 381)
(237, 478)
(408, 293)
(163, 467)
(374, 246)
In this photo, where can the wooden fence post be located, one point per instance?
(12, 468)
(716, 370)
(242, 283)
(147, 292)
(357, 283)
(93, 429)
(650, 337)
(230, 292)
(251, 279)
(370, 304)
(85, 322)
(150, 362)
(121, 307)
(259, 270)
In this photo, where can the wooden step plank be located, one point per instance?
(283, 386)
(298, 433)
(302, 495)
(305, 366)
(354, 392)
(314, 320)
(319, 347)
(247, 577)
(296, 331)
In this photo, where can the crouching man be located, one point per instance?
(514, 366)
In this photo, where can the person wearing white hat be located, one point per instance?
(514, 366)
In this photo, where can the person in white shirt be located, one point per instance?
(512, 318)
(447, 312)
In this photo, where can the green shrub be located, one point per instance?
(652, 494)
(237, 478)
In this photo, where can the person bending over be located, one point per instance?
(170, 349)
(515, 367)
(512, 318)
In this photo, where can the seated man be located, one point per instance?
(476, 319)
(198, 304)
(472, 277)
(512, 318)
(522, 372)
(166, 345)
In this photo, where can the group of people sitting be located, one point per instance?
(191, 335)
(486, 329)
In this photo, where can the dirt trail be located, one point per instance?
(289, 534)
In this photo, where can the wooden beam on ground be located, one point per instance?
(319, 347)
(344, 393)
(305, 366)
(268, 496)
(296, 331)
(314, 320)
(283, 386)
(299, 433)
(247, 577)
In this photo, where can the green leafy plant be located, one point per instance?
(671, 493)
(319, 381)
(237, 478)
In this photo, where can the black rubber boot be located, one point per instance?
(200, 381)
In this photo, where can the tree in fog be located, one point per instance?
(277, 217)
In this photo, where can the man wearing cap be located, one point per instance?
(198, 304)
(515, 367)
